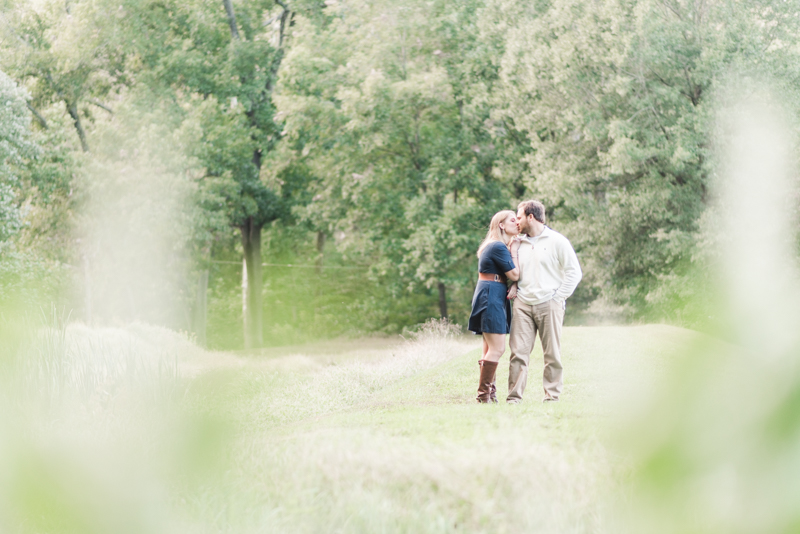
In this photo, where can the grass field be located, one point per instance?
(373, 435)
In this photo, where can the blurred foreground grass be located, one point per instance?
(379, 436)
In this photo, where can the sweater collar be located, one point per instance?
(546, 232)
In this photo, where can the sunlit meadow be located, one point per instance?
(136, 429)
(154, 157)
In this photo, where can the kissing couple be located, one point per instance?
(544, 271)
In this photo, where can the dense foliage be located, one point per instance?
(374, 135)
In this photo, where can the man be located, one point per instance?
(549, 273)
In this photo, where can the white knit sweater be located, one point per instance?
(549, 268)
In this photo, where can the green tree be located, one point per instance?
(387, 105)
(64, 52)
(25, 272)
(617, 99)
(218, 63)
(15, 146)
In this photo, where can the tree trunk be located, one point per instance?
(245, 320)
(442, 300)
(39, 118)
(231, 18)
(76, 118)
(251, 285)
(320, 251)
(200, 309)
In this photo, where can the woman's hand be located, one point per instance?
(512, 291)
(513, 246)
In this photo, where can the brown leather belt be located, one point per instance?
(492, 277)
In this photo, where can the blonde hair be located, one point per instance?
(496, 233)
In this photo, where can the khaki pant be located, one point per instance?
(547, 319)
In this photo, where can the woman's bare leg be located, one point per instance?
(494, 346)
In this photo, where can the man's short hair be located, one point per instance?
(533, 207)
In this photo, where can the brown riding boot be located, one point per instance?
(488, 370)
(493, 387)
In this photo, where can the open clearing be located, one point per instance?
(390, 439)
(353, 436)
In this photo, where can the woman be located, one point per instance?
(491, 310)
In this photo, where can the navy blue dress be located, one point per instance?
(491, 310)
